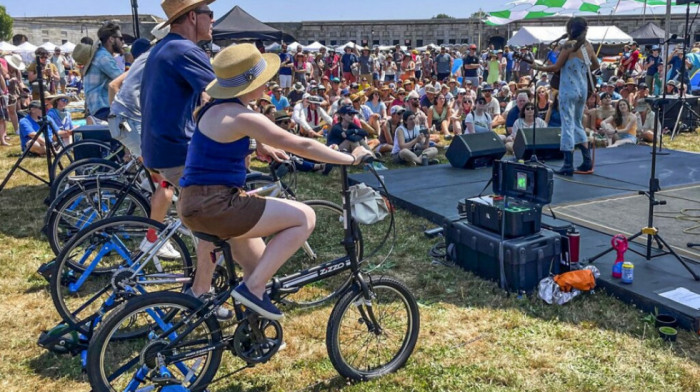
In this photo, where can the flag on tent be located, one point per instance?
(507, 16)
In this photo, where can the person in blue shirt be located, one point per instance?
(280, 101)
(287, 64)
(212, 199)
(62, 118)
(102, 69)
(349, 58)
(29, 126)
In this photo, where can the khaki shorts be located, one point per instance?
(171, 174)
(219, 210)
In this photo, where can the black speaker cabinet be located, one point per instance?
(671, 109)
(475, 149)
(547, 140)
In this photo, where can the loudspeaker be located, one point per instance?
(670, 111)
(547, 139)
(475, 149)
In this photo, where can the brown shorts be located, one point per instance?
(219, 210)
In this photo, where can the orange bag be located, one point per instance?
(580, 279)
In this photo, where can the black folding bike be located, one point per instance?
(372, 330)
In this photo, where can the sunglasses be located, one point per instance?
(118, 37)
(210, 13)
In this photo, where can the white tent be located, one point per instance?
(7, 47)
(67, 47)
(351, 44)
(314, 47)
(292, 48)
(391, 47)
(534, 35)
(26, 50)
(48, 46)
(273, 47)
(426, 47)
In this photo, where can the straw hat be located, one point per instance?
(54, 98)
(175, 8)
(241, 69)
(159, 32)
(16, 62)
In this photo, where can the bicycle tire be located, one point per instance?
(389, 297)
(256, 180)
(67, 302)
(102, 346)
(66, 156)
(326, 243)
(65, 217)
(60, 183)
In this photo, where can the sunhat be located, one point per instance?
(159, 32)
(175, 8)
(16, 62)
(83, 54)
(54, 98)
(298, 86)
(241, 69)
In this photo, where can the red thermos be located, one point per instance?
(574, 246)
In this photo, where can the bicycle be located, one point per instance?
(102, 266)
(189, 343)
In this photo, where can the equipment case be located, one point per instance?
(527, 259)
(522, 218)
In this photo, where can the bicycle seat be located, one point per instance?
(209, 237)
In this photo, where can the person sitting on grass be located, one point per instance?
(478, 120)
(645, 121)
(345, 135)
(29, 126)
(439, 116)
(281, 119)
(621, 128)
(62, 118)
(412, 144)
(526, 121)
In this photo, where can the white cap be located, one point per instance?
(413, 94)
(305, 96)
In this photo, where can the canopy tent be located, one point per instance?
(649, 34)
(240, 25)
(48, 46)
(351, 44)
(426, 47)
(67, 47)
(273, 47)
(26, 50)
(535, 35)
(293, 46)
(315, 46)
(7, 47)
(390, 47)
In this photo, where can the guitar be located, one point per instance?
(554, 82)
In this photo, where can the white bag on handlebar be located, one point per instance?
(368, 206)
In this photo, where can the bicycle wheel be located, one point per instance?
(256, 180)
(88, 202)
(324, 244)
(114, 364)
(82, 167)
(95, 271)
(361, 350)
(80, 150)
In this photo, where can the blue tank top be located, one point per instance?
(212, 163)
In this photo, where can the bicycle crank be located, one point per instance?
(257, 339)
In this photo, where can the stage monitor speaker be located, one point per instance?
(674, 105)
(475, 149)
(547, 139)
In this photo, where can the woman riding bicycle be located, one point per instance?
(212, 200)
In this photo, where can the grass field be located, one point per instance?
(473, 335)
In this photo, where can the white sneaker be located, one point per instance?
(167, 251)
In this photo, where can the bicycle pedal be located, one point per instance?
(46, 270)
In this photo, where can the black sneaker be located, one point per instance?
(263, 307)
(434, 161)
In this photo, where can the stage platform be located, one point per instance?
(432, 192)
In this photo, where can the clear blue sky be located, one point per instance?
(271, 10)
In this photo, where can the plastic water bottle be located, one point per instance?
(627, 272)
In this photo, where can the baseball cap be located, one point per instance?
(487, 87)
(344, 92)
(642, 85)
(461, 90)
(397, 109)
(347, 109)
(35, 104)
(306, 96)
(472, 46)
(335, 80)
(413, 95)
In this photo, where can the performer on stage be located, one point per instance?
(573, 60)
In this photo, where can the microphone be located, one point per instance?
(671, 38)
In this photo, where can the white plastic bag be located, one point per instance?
(368, 206)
